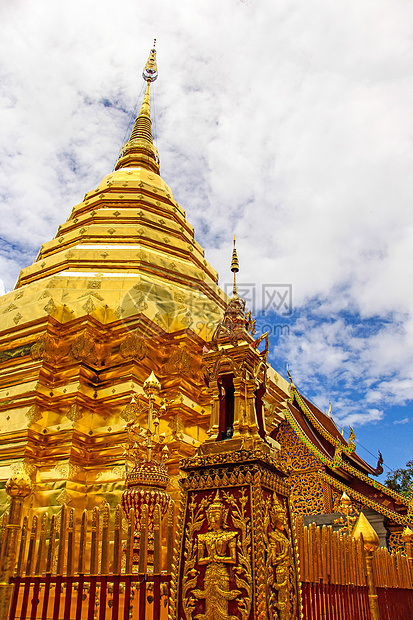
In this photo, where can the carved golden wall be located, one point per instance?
(309, 495)
(395, 543)
(67, 431)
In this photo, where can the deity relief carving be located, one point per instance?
(179, 362)
(224, 551)
(216, 548)
(48, 348)
(37, 349)
(281, 584)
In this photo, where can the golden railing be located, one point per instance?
(334, 577)
(336, 558)
(102, 566)
(93, 567)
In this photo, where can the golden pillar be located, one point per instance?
(371, 542)
(18, 487)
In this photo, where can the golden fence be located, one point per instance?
(105, 567)
(97, 567)
(334, 578)
(336, 558)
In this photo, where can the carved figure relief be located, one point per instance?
(84, 348)
(216, 549)
(220, 549)
(282, 596)
(179, 362)
(48, 348)
(38, 348)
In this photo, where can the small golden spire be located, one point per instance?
(234, 269)
(329, 408)
(139, 151)
(363, 528)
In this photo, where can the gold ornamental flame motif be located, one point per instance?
(364, 529)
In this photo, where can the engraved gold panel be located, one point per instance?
(396, 544)
(293, 452)
(307, 494)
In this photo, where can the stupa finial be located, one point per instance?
(150, 70)
(139, 151)
(234, 269)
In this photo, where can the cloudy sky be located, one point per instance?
(289, 123)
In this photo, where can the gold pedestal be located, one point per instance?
(236, 556)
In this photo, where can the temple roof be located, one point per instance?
(328, 425)
(343, 468)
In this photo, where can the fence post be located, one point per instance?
(364, 531)
(18, 487)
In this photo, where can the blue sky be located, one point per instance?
(287, 123)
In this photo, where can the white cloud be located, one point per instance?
(288, 123)
(371, 415)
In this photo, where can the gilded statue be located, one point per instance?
(216, 549)
(349, 512)
(280, 566)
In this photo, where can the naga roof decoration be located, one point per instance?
(367, 501)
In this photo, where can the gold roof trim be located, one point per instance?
(347, 449)
(366, 501)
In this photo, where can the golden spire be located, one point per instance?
(139, 151)
(234, 269)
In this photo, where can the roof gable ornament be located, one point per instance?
(341, 446)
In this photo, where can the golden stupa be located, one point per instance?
(122, 290)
